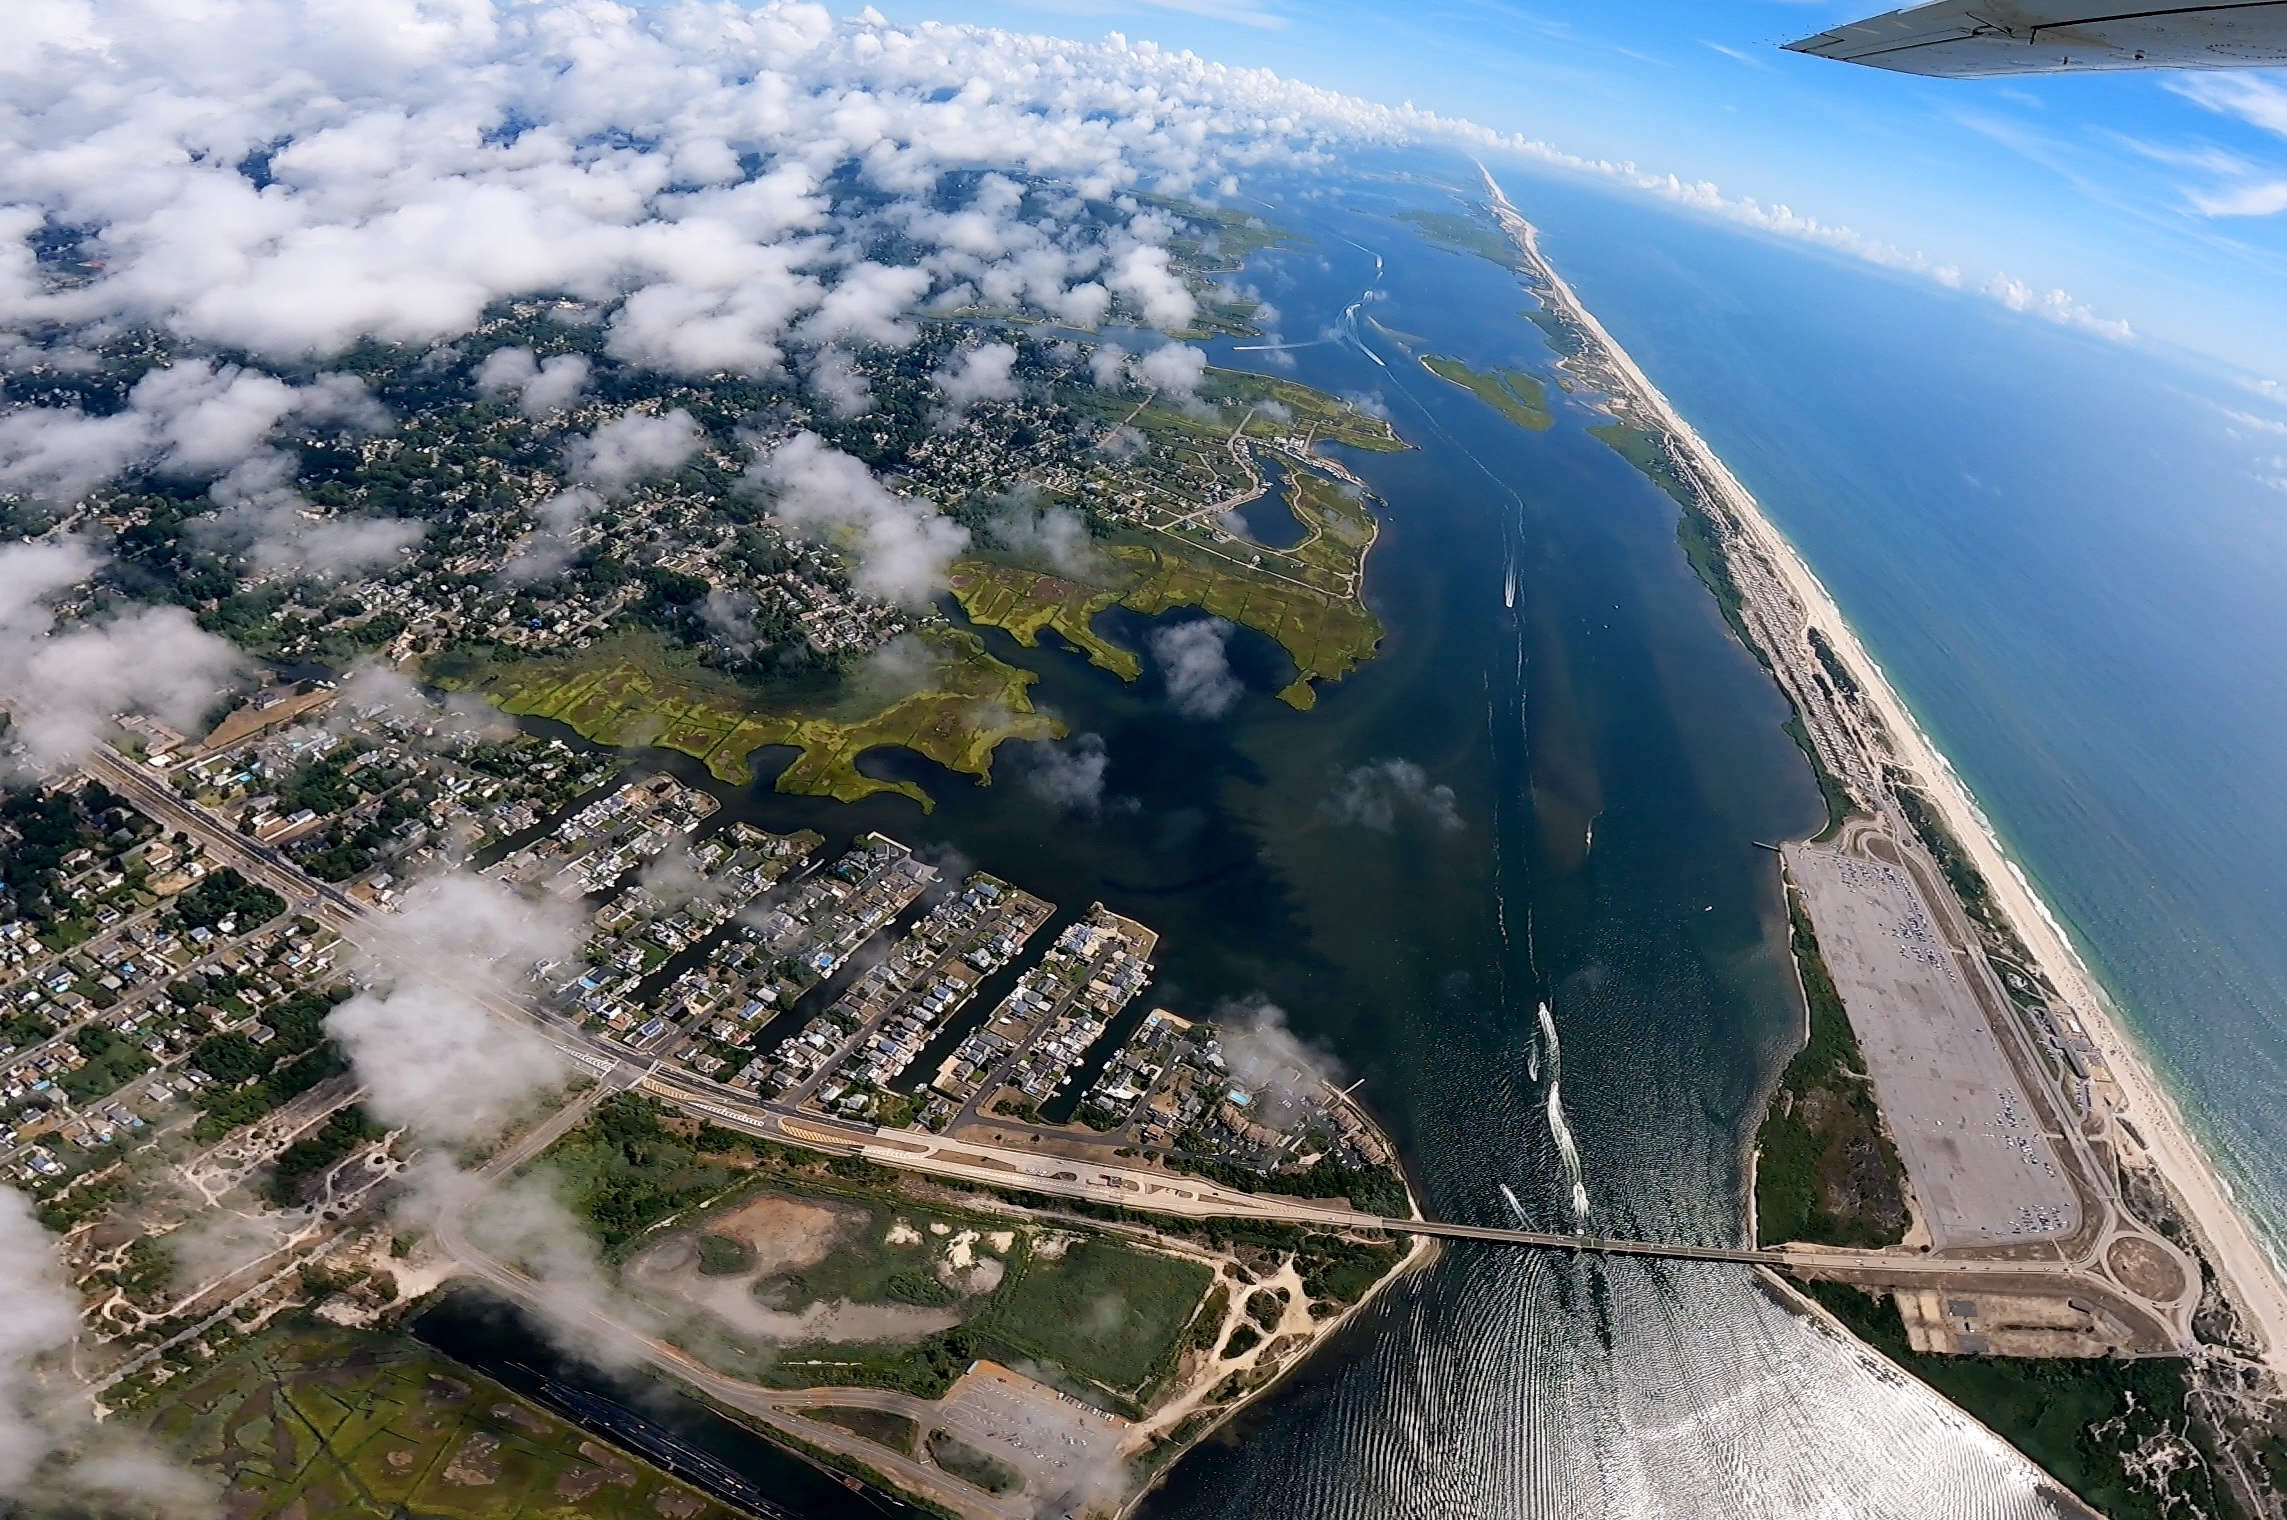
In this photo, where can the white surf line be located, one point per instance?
(2250, 1267)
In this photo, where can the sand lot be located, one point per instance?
(799, 1287)
(1981, 1169)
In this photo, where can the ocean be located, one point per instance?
(2070, 554)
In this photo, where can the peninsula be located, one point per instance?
(2078, 1160)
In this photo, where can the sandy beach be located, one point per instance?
(2155, 1127)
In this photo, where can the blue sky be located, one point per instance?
(2155, 199)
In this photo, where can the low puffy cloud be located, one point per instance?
(523, 1223)
(63, 684)
(1381, 794)
(1265, 1055)
(59, 454)
(217, 1242)
(900, 546)
(376, 690)
(1142, 274)
(433, 1056)
(904, 665)
(664, 164)
(1067, 778)
(1781, 220)
(634, 447)
(52, 1453)
(1123, 443)
(674, 878)
(547, 549)
(207, 417)
(267, 521)
(868, 305)
(1108, 367)
(436, 1060)
(987, 373)
(1193, 660)
(835, 378)
(540, 386)
(2056, 305)
(1175, 368)
(1056, 536)
(726, 317)
(194, 418)
(41, 1319)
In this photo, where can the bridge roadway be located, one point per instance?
(1140, 1189)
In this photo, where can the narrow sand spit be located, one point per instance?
(2251, 1275)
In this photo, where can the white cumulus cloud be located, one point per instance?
(63, 682)
(1192, 658)
(634, 447)
(900, 545)
(427, 1038)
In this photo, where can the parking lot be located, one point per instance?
(1068, 1451)
(1981, 1168)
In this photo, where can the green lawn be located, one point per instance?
(1105, 1312)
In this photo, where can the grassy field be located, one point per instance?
(632, 689)
(1108, 1315)
(1465, 234)
(879, 1426)
(1112, 1317)
(356, 1426)
(1104, 1312)
(866, 1268)
(1514, 394)
(1327, 636)
(972, 1466)
(1824, 1169)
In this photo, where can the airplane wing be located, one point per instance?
(1964, 39)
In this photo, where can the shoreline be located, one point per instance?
(2246, 1269)
(1421, 1253)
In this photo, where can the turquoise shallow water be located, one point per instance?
(2070, 554)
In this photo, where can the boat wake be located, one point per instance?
(1559, 1129)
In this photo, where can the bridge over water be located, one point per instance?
(1600, 1245)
